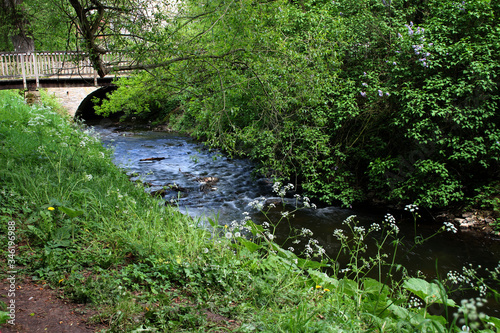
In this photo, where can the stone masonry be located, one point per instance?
(71, 98)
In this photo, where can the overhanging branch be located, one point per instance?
(169, 62)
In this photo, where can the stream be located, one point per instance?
(182, 167)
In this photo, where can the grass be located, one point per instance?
(83, 226)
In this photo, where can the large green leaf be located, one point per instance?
(251, 246)
(322, 279)
(428, 291)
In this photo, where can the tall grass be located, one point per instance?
(82, 225)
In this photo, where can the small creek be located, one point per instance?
(181, 163)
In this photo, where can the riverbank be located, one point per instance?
(76, 223)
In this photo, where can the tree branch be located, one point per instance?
(169, 62)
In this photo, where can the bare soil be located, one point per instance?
(40, 309)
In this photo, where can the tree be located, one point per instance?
(16, 26)
(147, 32)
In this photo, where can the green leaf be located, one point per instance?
(348, 287)
(373, 286)
(305, 263)
(494, 321)
(254, 228)
(429, 292)
(322, 279)
(70, 212)
(251, 246)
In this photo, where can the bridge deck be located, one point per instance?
(56, 69)
(31, 84)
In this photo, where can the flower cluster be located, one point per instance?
(460, 6)
(411, 208)
(469, 310)
(231, 235)
(38, 120)
(459, 279)
(419, 47)
(313, 249)
(281, 190)
(450, 227)
(258, 203)
(339, 234)
(468, 278)
(306, 202)
(236, 227)
(380, 92)
(390, 222)
(415, 302)
(306, 232)
(350, 220)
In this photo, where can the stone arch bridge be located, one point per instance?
(78, 100)
(69, 76)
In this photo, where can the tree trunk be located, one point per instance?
(22, 43)
(20, 34)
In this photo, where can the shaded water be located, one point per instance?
(181, 165)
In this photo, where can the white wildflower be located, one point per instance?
(411, 208)
(450, 227)
(306, 232)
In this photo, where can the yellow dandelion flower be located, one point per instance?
(326, 289)
(318, 287)
(51, 208)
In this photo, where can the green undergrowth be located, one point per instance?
(77, 222)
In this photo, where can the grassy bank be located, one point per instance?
(74, 220)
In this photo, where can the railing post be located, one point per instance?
(23, 70)
(35, 68)
(3, 65)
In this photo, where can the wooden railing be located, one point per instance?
(36, 65)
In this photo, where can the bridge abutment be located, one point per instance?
(32, 96)
(71, 98)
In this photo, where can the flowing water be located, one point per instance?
(206, 184)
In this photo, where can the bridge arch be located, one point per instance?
(86, 110)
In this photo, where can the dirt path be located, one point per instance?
(39, 309)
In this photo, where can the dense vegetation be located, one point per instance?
(369, 100)
(35, 25)
(76, 221)
(393, 101)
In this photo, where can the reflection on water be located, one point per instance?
(182, 165)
